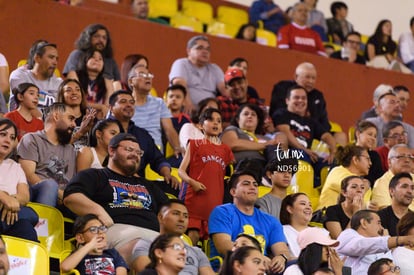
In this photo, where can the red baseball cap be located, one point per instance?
(233, 73)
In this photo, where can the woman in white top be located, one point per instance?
(18, 220)
(193, 130)
(404, 255)
(94, 156)
(295, 215)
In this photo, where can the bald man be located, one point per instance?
(305, 76)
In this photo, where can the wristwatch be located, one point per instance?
(284, 257)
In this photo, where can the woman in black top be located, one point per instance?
(351, 200)
(381, 42)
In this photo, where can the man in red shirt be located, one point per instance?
(297, 36)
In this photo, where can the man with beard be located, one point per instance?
(95, 36)
(43, 58)
(47, 157)
(121, 104)
(401, 191)
(126, 203)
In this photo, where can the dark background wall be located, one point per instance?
(347, 87)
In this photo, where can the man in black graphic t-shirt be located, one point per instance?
(124, 202)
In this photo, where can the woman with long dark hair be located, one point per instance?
(96, 155)
(17, 219)
(71, 94)
(381, 43)
(90, 74)
(247, 32)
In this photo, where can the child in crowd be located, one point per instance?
(90, 73)
(92, 255)
(202, 171)
(175, 97)
(27, 97)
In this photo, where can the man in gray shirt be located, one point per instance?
(39, 71)
(47, 157)
(173, 219)
(200, 77)
(388, 110)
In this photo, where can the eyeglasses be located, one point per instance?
(139, 152)
(393, 269)
(366, 157)
(96, 229)
(410, 157)
(145, 75)
(354, 42)
(177, 247)
(201, 48)
(395, 136)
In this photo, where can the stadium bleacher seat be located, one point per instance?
(26, 257)
(222, 29)
(232, 16)
(187, 23)
(265, 37)
(50, 229)
(162, 8)
(203, 11)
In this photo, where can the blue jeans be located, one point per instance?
(24, 226)
(45, 192)
(410, 65)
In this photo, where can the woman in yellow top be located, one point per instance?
(353, 160)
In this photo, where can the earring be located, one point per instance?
(160, 260)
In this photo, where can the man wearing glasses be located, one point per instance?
(393, 134)
(151, 113)
(201, 78)
(383, 266)
(121, 104)
(350, 48)
(400, 160)
(388, 110)
(126, 203)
